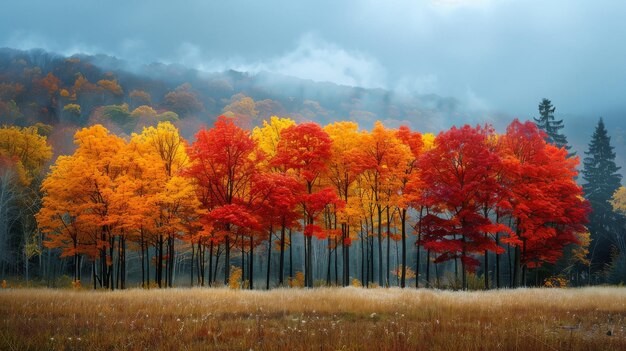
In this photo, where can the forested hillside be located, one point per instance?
(68, 92)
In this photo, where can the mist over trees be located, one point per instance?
(280, 190)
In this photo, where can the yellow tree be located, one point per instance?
(23, 154)
(381, 158)
(166, 148)
(78, 195)
(268, 135)
(619, 205)
(342, 173)
(67, 217)
(410, 186)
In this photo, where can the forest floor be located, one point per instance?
(316, 319)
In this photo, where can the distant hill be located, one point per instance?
(38, 86)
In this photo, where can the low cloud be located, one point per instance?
(312, 58)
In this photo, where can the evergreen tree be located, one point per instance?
(602, 180)
(551, 126)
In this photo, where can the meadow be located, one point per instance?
(313, 319)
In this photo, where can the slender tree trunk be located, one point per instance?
(336, 268)
(388, 270)
(464, 272)
(516, 281)
(251, 259)
(486, 273)
(143, 263)
(419, 244)
(403, 233)
(281, 264)
(159, 267)
(497, 273)
(193, 252)
(269, 256)
(147, 266)
(497, 262)
(227, 256)
(380, 247)
(428, 268)
(290, 256)
(211, 277)
(329, 262)
(123, 278)
(345, 229)
(171, 257)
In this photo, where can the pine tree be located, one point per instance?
(551, 126)
(602, 180)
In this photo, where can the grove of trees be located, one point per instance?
(332, 204)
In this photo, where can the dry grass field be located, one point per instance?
(318, 319)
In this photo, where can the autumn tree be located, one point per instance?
(342, 173)
(267, 137)
(382, 160)
(91, 171)
(23, 154)
(173, 201)
(545, 204)
(222, 165)
(457, 176)
(183, 101)
(243, 109)
(411, 187)
(305, 149)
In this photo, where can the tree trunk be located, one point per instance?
(290, 256)
(380, 246)
(428, 268)
(329, 262)
(388, 270)
(251, 261)
(227, 257)
(211, 278)
(269, 257)
(193, 251)
(403, 232)
(497, 262)
(159, 267)
(281, 264)
(486, 273)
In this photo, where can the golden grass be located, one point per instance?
(319, 319)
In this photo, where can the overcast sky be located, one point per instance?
(500, 55)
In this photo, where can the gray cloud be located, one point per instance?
(498, 57)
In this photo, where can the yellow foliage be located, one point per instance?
(112, 86)
(234, 281)
(297, 281)
(76, 285)
(27, 150)
(555, 282)
(143, 111)
(268, 136)
(429, 141)
(619, 200)
(4, 284)
(410, 274)
(581, 251)
(356, 283)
